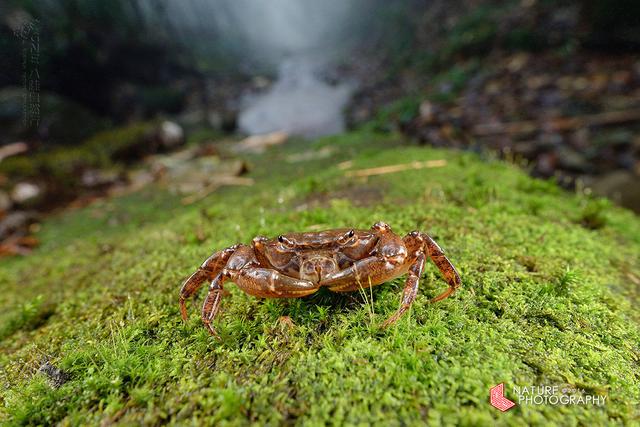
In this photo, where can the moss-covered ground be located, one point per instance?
(550, 297)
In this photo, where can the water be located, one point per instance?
(299, 103)
(299, 38)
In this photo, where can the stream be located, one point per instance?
(300, 102)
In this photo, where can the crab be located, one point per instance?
(299, 264)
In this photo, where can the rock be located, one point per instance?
(187, 172)
(428, 113)
(194, 175)
(25, 193)
(546, 164)
(192, 118)
(572, 160)
(17, 222)
(139, 179)
(56, 376)
(621, 186)
(94, 178)
(5, 202)
(528, 149)
(517, 62)
(170, 135)
(215, 120)
(198, 117)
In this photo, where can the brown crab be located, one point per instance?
(298, 264)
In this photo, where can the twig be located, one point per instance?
(397, 168)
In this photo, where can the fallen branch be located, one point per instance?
(12, 150)
(397, 168)
(558, 124)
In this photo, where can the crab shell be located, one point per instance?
(315, 256)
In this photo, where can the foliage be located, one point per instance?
(95, 51)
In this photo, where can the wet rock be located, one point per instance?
(26, 193)
(572, 161)
(139, 178)
(56, 376)
(619, 138)
(621, 186)
(527, 149)
(5, 202)
(188, 171)
(428, 113)
(192, 118)
(95, 178)
(16, 223)
(194, 176)
(159, 164)
(170, 135)
(546, 164)
(626, 160)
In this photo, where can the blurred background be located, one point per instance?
(99, 98)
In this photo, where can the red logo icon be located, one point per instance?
(498, 400)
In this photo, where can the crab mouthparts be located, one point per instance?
(316, 268)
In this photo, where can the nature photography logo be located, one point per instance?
(543, 395)
(497, 399)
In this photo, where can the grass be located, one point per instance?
(549, 297)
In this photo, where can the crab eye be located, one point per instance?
(347, 237)
(285, 243)
(381, 226)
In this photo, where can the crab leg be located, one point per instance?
(211, 304)
(259, 282)
(447, 269)
(410, 290)
(207, 271)
(427, 246)
(377, 269)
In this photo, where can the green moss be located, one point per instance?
(545, 301)
(400, 112)
(30, 315)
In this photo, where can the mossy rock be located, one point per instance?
(545, 300)
(60, 168)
